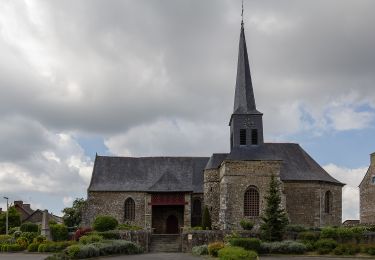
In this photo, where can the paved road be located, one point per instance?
(22, 256)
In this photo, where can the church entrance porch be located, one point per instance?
(168, 212)
(167, 219)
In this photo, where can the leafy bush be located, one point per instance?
(29, 227)
(128, 227)
(213, 248)
(329, 232)
(284, 247)
(196, 228)
(33, 247)
(5, 239)
(22, 242)
(200, 250)
(325, 246)
(105, 223)
(89, 239)
(11, 248)
(73, 251)
(13, 229)
(17, 234)
(295, 228)
(368, 249)
(346, 249)
(39, 239)
(308, 236)
(81, 232)
(54, 246)
(236, 253)
(29, 236)
(246, 224)
(246, 243)
(59, 232)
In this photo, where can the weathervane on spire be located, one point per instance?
(242, 14)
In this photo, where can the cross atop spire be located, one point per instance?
(244, 101)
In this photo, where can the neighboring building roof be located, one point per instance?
(150, 174)
(38, 219)
(297, 165)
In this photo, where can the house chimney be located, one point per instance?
(27, 207)
(372, 156)
(18, 202)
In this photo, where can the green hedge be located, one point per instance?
(104, 223)
(11, 248)
(347, 249)
(246, 224)
(236, 253)
(59, 232)
(246, 243)
(284, 247)
(29, 227)
(325, 246)
(89, 239)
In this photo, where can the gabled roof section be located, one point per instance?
(244, 101)
(148, 174)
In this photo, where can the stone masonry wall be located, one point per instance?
(211, 195)
(112, 203)
(305, 203)
(367, 195)
(235, 178)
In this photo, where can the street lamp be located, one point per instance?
(6, 221)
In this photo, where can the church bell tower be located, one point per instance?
(246, 124)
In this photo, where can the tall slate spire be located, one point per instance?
(246, 123)
(244, 101)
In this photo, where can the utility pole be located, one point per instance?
(6, 221)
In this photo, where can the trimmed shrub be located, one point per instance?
(368, 249)
(29, 227)
(89, 239)
(295, 228)
(11, 248)
(22, 242)
(33, 247)
(329, 232)
(54, 246)
(246, 224)
(105, 223)
(114, 234)
(246, 243)
(5, 239)
(213, 248)
(73, 251)
(39, 239)
(284, 247)
(308, 236)
(325, 246)
(200, 250)
(128, 227)
(236, 253)
(59, 232)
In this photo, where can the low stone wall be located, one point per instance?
(189, 239)
(141, 237)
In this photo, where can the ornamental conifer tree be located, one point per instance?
(274, 218)
(206, 219)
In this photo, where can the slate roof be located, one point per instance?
(149, 174)
(297, 165)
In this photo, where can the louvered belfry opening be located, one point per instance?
(129, 211)
(251, 202)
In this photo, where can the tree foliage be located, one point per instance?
(206, 219)
(14, 219)
(73, 216)
(274, 218)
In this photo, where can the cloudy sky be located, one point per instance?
(141, 78)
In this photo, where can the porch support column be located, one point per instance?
(187, 211)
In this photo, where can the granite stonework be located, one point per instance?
(212, 195)
(367, 194)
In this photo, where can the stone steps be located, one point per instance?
(165, 243)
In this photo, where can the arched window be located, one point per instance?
(196, 216)
(327, 202)
(129, 213)
(251, 202)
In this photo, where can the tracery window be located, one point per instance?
(327, 202)
(129, 211)
(251, 202)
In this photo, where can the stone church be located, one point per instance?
(168, 193)
(367, 194)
